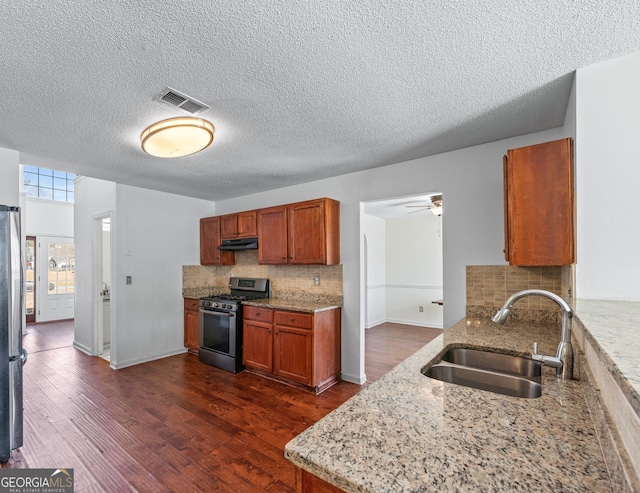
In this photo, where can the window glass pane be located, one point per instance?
(59, 174)
(71, 176)
(46, 181)
(70, 185)
(46, 193)
(61, 268)
(31, 191)
(69, 196)
(60, 195)
(30, 169)
(46, 172)
(60, 183)
(30, 179)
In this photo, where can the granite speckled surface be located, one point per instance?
(614, 328)
(293, 305)
(409, 433)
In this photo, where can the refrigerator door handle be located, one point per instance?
(22, 357)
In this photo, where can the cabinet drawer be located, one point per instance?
(294, 319)
(191, 304)
(255, 313)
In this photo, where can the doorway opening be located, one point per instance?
(30, 279)
(103, 321)
(402, 271)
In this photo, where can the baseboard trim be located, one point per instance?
(411, 322)
(353, 379)
(138, 361)
(82, 347)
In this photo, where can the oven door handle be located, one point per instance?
(216, 312)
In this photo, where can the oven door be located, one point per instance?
(218, 331)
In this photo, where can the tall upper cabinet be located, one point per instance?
(539, 204)
(209, 241)
(301, 233)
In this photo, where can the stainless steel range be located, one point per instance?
(221, 322)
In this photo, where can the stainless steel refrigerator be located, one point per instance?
(12, 355)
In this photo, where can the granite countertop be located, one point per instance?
(293, 305)
(409, 433)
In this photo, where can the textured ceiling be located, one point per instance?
(299, 90)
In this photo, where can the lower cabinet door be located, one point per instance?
(292, 354)
(257, 350)
(191, 330)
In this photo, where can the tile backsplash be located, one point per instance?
(489, 286)
(287, 281)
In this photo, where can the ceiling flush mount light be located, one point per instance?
(177, 137)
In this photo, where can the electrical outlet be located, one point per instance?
(420, 309)
(316, 281)
(129, 280)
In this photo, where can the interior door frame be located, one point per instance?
(31, 319)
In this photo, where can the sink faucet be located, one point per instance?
(563, 360)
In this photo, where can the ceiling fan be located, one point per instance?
(435, 206)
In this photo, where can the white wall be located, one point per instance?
(471, 181)
(608, 179)
(152, 235)
(9, 177)
(49, 218)
(156, 234)
(374, 230)
(93, 198)
(414, 270)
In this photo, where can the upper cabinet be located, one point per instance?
(539, 204)
(209, 242)
(239, 225)
(301, 233)
(272, 235)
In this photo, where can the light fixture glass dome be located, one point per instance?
(177, 137)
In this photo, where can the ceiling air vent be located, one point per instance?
(182, 101)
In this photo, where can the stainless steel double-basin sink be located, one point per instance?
(506, 374)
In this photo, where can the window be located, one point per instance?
(61, 268)
(47, 184)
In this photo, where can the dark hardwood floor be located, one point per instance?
(388, 344)
(169, 425)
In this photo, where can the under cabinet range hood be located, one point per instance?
(239, 244)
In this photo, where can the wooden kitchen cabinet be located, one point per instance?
(272, 235)
(210, 239)
(257, 348)
(301, 233)
(539, 204)
(191, 325)
(238, 225)
(308, 483)
(301, 349)
(293, 346)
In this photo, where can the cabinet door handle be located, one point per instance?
(268, 332)
(292, 319)
(257, 314)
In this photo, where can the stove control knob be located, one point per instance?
(215, 305)
(228, 307)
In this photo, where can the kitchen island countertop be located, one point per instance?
(409, 433)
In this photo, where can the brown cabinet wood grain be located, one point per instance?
(297, 348)
(292, 352)
(539, 204)
(191, 325)
(238, 225)
(210, 239)
(308, 483)
(272, 235)
(301, 233)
